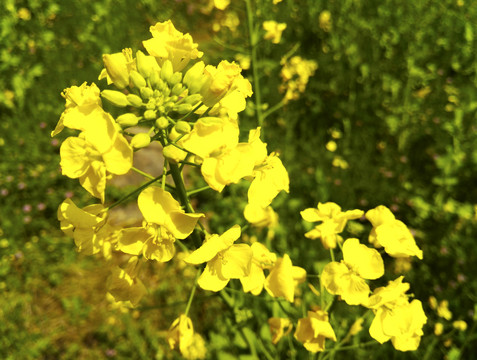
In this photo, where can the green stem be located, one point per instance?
(253, 55)
(332, 255)
(192, 192)
(192, 292)
(274, 108)
(142, 173)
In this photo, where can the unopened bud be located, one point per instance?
(115, 97)
(146, 65)
(162, 123)
(155, 80)
(168, 106)
(116, 67)
(151, 104)
(149, 115)
(173, 134)
(183, 108)
(167, 71)
(177, 89)
(140, 140)
(173, 153)
(175, 78)
(193, 99)
(137, 79)
(134, 100)
(194, 77)
(146, 93)
(127, 120)
(182, 127)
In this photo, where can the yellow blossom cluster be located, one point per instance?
(295, 74)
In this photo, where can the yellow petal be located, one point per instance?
(74, 162)
(280, 280)
(210, 280)
(236, 261)
(131, 240)
(367, 262)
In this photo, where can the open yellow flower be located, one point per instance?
(333, 222)
(88, 226)
(81, 101)
(167, 43)
(347, 278)
(165, 222)
(262, 259)
(181, 333)
(221, 80)
(392, 234)
(313, 330)
(225, 260)
(284, 278)
(279, 327)
(124, 285)
(95, 152)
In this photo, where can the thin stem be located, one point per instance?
(253, 55)
(332, 255)
(192, 111)
(196, 191)
(142, 173)
(274, 108)
(192, 292)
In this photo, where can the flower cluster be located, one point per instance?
(191, 110)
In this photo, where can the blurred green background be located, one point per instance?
(395, 89)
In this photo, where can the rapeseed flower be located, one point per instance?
(347, 278)
(313, 330)
(279, 327)
(284, 278)
(117, 68)
(225, 260)
(262, 259)
(273, 30)
(392, 234)
(124, 285)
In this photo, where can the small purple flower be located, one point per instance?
(41, 206)
(110, 352)
(461, 278)
(21, 185)
(27, 219)
(4, 192)
(42, 125)
(69, 194)
(54, 142)
(444, 250)
(9, 178)
(27, 208)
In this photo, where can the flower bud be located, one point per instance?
(137, 79)
(140, 140)
(155, 80)
(146, 65)
(175, 78)
(168, 106)
(116, 68)
(173, 153)
(173, 134)
(149, 115)
(134, 100)
(162, 123)
(183, 108)
(182, 127)
(177, 89)
(193, 99)
(194, 77)
(115, 97)
(167, 71)
(151, 104)
(127, 120)
(146, 93)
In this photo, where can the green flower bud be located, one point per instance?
(140, 140)
(134, 100)
(137, 79)
(167, 71)
(192, 99)
(162, 123)
(194, 77)
(183, 108)
(127, 120)
(146, 93)
(161, 109)
(175, 79)
(146, 65)
(150, 115)
(155, 80)
(115, 97)
(177, 89)
(182, 127)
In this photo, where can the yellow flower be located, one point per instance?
(391, 234)
(262, 259)
(219, 81)
(270, 178)
(460, 325)
(273, 30)
(94, 152)
(117, 67)
(392, 295)
(88, 226)
(438, 329)
(402, 324)
(295, 74)
(284, 278)
(313, 330)
(181, 333)
(165, 222)
(279, 327)
(81, 101)
(225, 260)
(221, 4)
(347, 278)
(124, 285)
(333, 222)
(325, 20)
(234, 100)
(260, 217)
(443, 310)
(168, 43)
